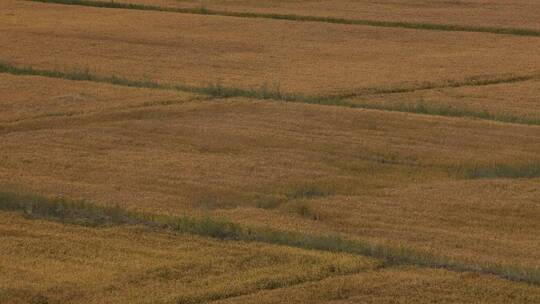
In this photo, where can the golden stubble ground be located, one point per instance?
(297, 57)
(401, 285)
(29, 98)
(486, 222)
(376, 176)
(500, 13)
(385, 177)
(46, 262)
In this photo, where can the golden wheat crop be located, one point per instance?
(521, 14)
(313, 169)
(406, 285)
(28, 98)
(56, 263)
(295, 57)
(198, 156)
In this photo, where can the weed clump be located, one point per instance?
(64, 210)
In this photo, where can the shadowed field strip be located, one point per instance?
(360, 100)
(91, 215)
(292, 17)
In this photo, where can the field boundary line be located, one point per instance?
(280, 286)
(87, 214)
(265, 93)
(304, 18)
(475, 81)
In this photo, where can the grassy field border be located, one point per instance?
(215, 90)
(304, 18)
(474, 81)
(425, 108)
(84, 213)
(267, 93)
(523, 170)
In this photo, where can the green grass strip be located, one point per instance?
(215, 90)
(503, 171)
(78, 76)
(83, 213)
(220, 91)
(292, 17)
(468, 82)
(447, 111)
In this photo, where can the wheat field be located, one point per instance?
(483, 13)
(168, 151)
